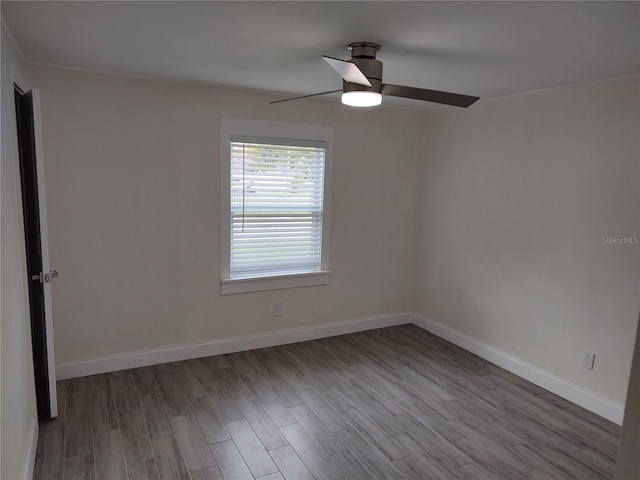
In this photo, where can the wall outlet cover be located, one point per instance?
(587, 359)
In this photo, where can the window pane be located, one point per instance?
(276, 208)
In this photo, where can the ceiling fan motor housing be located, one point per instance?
(363, 55)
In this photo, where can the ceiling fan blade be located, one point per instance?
(427, 95)
(305, 96)
(347, 70)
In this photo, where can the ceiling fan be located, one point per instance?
(362, 82)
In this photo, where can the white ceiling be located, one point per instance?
(487, 49)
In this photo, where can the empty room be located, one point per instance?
(320, 240)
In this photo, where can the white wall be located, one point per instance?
(628, 460)
(17, 400)
(516, 195)
(512, 198)
(133, 201)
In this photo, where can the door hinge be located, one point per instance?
(45, 277)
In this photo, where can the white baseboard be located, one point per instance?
(542, 378)
(567, 390)
(184, 352)
(32, 447)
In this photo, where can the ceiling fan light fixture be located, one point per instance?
(362, 82)
(361, 98)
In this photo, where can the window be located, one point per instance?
(275, 198)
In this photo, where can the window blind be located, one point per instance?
(277, 189)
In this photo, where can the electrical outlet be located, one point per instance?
(587, 359)
(277, 309)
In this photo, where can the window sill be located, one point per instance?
(229, 286)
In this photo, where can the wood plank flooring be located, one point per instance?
(394, 403)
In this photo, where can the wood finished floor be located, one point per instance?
(392, 403)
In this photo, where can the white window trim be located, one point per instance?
(230, 127)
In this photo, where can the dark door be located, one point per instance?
(31, 213)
